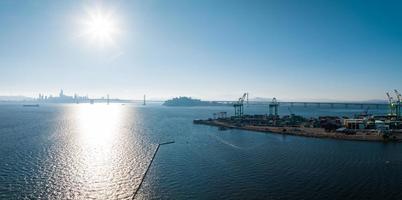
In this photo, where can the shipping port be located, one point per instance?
(363, 126)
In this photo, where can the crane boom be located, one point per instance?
(243, 98)
(389, 98)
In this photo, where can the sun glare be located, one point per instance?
(100, 27)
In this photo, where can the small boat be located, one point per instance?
(30, 105)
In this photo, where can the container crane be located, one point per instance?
(273, 107)
(391, 105)
(398, 104)
(238, 106)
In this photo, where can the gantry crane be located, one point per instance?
(273, 107)
(238, 106)
(398, 104)
(391, 104)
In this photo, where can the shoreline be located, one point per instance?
(305, 132)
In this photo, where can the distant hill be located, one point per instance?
(188, 101)
(376, 101)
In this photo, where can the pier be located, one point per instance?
(149, 166)
(317, 132)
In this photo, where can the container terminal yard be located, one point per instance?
(361, 127)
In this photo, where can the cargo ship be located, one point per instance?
(30, 105)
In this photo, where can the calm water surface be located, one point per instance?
(101, 152)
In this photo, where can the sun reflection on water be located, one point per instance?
(100, 149)
(100, 152)
(99, 124)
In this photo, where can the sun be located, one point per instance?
(100, 27)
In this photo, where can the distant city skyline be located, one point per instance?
(62, 97)
(292, 50)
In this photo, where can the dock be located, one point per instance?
(302, 131)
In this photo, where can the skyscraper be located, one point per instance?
(61, 93)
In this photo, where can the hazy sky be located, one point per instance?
(214, 49)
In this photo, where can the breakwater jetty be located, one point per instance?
(149, 166)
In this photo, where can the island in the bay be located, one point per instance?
(188, 101)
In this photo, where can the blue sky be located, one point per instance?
(340, 50)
